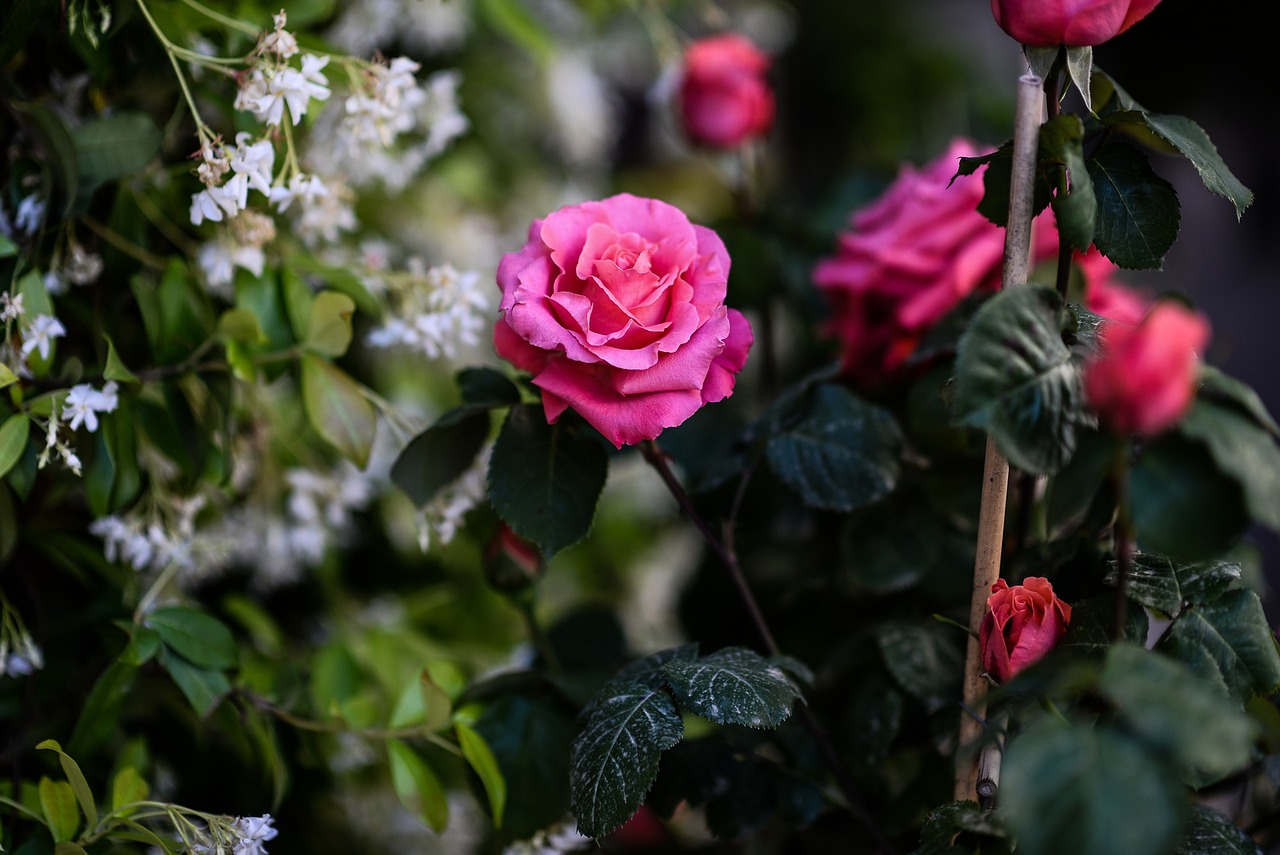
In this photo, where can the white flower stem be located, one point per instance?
(171, 50)
(995, 476)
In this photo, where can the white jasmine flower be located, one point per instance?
(326, 216)
(219, 258)
(11, 307)
(78, 407)
(306, 188)
(442, 312)
(40, 334)
(30, 214)
(281, 42)
(292, 88)
(253, 831)
(254, 161)
(213, 202)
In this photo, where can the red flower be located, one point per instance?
(1023, 623)
(725, 99)
(1143, 378)
(1045, 23)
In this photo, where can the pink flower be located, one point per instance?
(1022, 624)
(617, 309)
(1045, 23)
(725, 99)
(1144, 377)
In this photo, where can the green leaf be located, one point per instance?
(537, 781)
(651, 670)
(14, 433)
(196, 636)
(870, 725)
(1225, 390)
(1228, 639)
(1016, 378)
(58, 803)
(545, 480)
(1210, 833)
(201, 687)
(67, 847)
(615, 758)
(1168, 585)
(482, 761)
(1080, 69)
(100, 714)
(127, 787)
(1081, 788)
(733, 686)
(1194, 144)
(112, 147)
(1182, 504)
(925, 658)
(510, 19)
(843, 454)
(1074, 205)
(1242, 448)
(1138, 214)
(485, 387)
(338, 409)
(417, 786)
(241, 325)
(438, 456)
(115, 368)
(896, 543)
(329, 328)
(953, 818)
(76, 778)
(7, 377)
(1178, 713)
(1092, 623)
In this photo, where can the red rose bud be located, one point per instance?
(1144, 377)
(617, 310)
(1076, 23)
(725, 99)
(1022, 624)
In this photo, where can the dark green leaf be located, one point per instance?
(537, 780)
(947, 821)
(196, 636)
(894, 544)
(872, 722)
(201, 687)
(1138, 213)
(925, 658)
(1082, 788)
(417, 786)
(115, 368)
(338, 409)
(113, 146)
(843, 454)
(1092, 623)
(1167, 585)
(733, 686)
(1074, 205)
(486, 387)
(1182, 504)
(438, 456)
(1194, 144)
(100, 714)
(482, 761)
(1226, 390)
(651, 670)
(14, 432)
(1243, 449)
(1178, 714)
(615, 758)
(545, 480)
(1016, 378)
(265, 297)
(1210, 833)
(1230, 640)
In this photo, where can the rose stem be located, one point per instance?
(724, 550)
(1124, 540)
(995, 476)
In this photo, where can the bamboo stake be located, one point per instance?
(995, 478)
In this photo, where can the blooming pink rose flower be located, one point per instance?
(1144, 377)
(725, 99)
(617, 309)
(1045, 23)
(916, 252)
(1022, 624)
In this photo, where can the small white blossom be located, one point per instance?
(442, 313)
(30, 213)
(281, 42)
(11, 307)
(83, 403)
(305, 188)
(213, 203)
(40, 334)
(254, 161)
(253, 831)
(219, 258)
(268, 97)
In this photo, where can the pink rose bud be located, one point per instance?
(725, 99)
(617, 310)
(1144, 377)
(1022, 624)
(1076, 23)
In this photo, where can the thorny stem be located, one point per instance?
(723, 549)
(995, 480)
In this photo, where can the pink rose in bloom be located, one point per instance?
(1144, 377)
(1045, 23)
(725, 99)
(1022, 624)
(916, 252)
(617, 309)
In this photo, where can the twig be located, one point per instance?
(995, 479)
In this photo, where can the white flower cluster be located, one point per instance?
(436, 311)
(250, 834)
(11, 307)
(78, 267)
(439, 520)
(563, 837)
(251, 165)
(273, 84)
(20, 656)
(242, 245)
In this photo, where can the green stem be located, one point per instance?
(203, 131)
(233, 23)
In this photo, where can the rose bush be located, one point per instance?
(916, 252)
(617, 309)
(1022, 624)
(1044, 23)
(1144, 376)
(725, 99)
